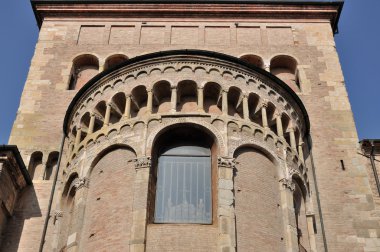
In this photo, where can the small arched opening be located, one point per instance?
(139, 101)
(114, 60)
(161, 97)
(187, 96)
(235, 102)
(117, 107)
(212, 98)
(85, 67)
(36, 168)
(253, 60)
(254, 108)
(51, 165)
(285, 68)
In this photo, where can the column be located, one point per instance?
(280, 131)
(150, 102)
(200, 99)
(300, 150)
(57, 221)
(310, 218)
(81, 189)
(71, 147)
(127, 110)
(245, 107)
(140, 199)
(292, 139)
(78, 137)
(92, 124)
(174, 99)
(108, 114)
(226, 210)
(289, 220)
(224, 102)
(264, 116)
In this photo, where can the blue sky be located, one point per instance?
(358, 45)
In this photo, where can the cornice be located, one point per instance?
(303, 10)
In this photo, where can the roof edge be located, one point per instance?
(20, 161)
(334, 22)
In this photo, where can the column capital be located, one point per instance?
(301, 143)
(288, 183)
(173, 87)
(58, 213)
(80, 183)
(264, 104)
(226, 162)
(142, 162)
(278, 114)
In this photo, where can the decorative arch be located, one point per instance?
(252, 226)
(112, 179)
(161, 96)
(230, 67)
(254, 60)
(114, 60)
(285, 68)
(36, 167)
(84, 68)
(164, 127)
(100, 154)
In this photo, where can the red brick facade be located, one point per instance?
(277, 144)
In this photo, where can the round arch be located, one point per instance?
(100, 154)
(205, 57)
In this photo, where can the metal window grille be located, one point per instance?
(183, 192)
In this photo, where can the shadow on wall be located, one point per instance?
(26, 208)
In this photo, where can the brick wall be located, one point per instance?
(257, 199)
(346, 197)
(108, 214)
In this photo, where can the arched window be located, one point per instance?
(183, 187)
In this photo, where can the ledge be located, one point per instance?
(19, 162)
(281, 9)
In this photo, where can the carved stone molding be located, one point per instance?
(295, 171)
(226, 162)
(288, 183)
(81, 183)
(142, 162)
(58, 214)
